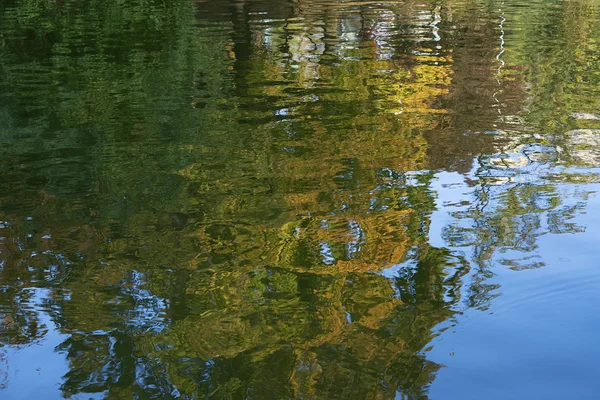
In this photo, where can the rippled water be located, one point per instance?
(299, 199)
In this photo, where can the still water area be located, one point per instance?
(299, 199)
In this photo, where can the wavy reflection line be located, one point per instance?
(501, 62)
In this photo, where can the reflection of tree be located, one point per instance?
(511, 217)
(270, 282)
(520, 190)
(215, 204)
(556, 59)
(323, 326)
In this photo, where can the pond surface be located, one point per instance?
(299, 199)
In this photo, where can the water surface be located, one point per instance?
(299, 199)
